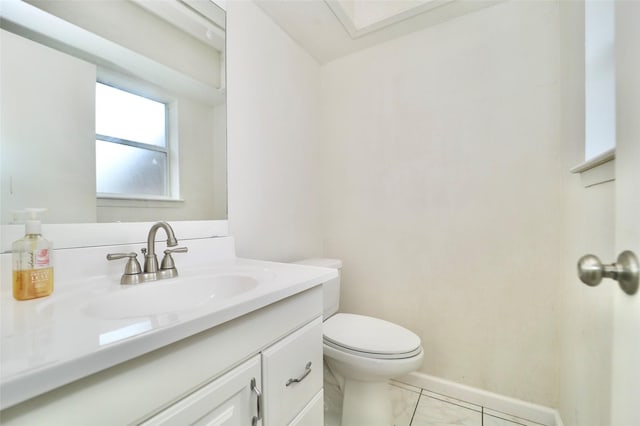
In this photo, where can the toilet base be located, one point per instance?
(366, 403)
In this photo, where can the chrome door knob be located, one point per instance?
(626, 271)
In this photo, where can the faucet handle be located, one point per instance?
(177, 250)
(167, 260)
(132, 270)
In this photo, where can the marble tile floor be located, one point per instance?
(413, 406)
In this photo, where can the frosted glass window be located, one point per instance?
(600, 72)
(132, 156)
(123, 115)
(122, 169)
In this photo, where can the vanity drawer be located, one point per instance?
(296, 357)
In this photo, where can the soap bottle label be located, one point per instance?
(32, 274)
(41, 258)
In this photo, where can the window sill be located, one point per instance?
(599, 169)
(111, 201)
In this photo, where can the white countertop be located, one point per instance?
(52, 341)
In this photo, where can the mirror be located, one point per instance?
(171, 52)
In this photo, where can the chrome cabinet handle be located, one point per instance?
(307, 370)
(626, 271)
(258, 416)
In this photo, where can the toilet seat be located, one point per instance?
(374, 355)
(370, 337)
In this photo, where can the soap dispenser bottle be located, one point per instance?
(32, 261)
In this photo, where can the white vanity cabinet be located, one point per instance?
(230, 400)
(292, 374)
(289, 391)
(204, 379)
(287, 376)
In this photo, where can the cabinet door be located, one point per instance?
(292, 373)
(312, 414)
(227, 401)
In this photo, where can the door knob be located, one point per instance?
(626, 271)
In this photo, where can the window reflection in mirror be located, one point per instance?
(132, 153)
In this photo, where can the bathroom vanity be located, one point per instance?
(96, 352)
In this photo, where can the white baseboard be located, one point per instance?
(526, 410)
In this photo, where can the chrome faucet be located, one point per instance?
(150, 258)
(134, 274)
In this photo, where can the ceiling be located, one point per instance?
(329, 29)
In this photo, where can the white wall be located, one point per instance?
(443, 179)
(273, 130)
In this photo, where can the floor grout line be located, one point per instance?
(481, 409)
(413, 415)
(451, 401)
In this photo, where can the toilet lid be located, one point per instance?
(370, 335)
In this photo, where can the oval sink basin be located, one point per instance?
(176, 295)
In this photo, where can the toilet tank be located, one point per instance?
(331, 288)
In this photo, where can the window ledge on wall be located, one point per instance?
(157, 202)
(599, 169)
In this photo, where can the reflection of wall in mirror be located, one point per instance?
(127, 24)
(46, 131)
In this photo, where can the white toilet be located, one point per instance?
(364, 353)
